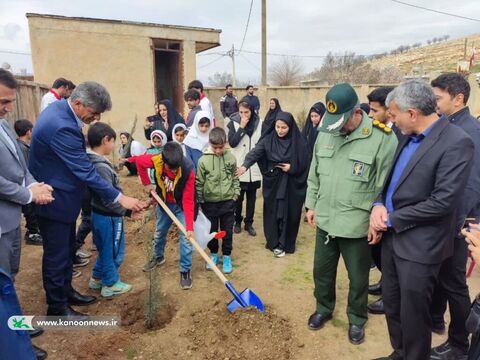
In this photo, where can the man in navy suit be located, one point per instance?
(416, 214)
(58, 157)
(17, 188)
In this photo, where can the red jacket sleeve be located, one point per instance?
(188, 201)
(143, 162)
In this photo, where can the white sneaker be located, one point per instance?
(84, 254)
(278, 253)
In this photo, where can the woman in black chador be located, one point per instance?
(312, 121)
(271, 115)
(165, 119)
(283, 159)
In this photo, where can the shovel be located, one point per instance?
(247, 298)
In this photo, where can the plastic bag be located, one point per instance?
(201, 228)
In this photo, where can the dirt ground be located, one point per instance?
(195, 324)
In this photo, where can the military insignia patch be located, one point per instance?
(331, 107)
(358, 168)
(365, 131)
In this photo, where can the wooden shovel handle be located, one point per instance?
(192, 240)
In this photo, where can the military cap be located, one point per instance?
(340, 102)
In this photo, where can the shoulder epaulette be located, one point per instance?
(381, 126)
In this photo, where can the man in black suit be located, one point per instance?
(452, 91)
(415, 214)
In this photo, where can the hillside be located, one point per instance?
(430, 58)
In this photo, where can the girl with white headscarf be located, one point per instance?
(197, 138)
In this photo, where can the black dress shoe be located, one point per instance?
(78, 299)
(356, 334)
(392, 356)
(376, 307)
(316, 320)
(39, 353)
(237, 228)
(35, 333)
(69, 313)
(250, 230)
(375, 289)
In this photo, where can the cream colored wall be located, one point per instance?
(298, 100)
(119, 56)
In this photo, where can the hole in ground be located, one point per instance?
(133, 313)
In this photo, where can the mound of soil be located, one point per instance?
(245, 334)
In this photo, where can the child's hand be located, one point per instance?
(149, 188)
(284, 167)
(137, 215)
(191, 235)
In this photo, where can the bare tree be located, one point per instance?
(286, 71)
(220, 79)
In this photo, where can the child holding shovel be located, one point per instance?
(175, 184)
(217, 189)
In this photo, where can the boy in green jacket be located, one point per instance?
(217, 189)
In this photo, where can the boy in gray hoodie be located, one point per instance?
(107, 218)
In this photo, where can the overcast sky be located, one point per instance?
(302, 27)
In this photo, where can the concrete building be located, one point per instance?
(138, 63)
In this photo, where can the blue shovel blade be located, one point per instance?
(249, 299)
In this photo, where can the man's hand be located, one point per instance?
(240, 171)
(131, 203)
(378, 218)
(373, 236)
(41, 193)
(473, 240)
(310, 215)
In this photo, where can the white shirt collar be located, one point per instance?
(79, 122)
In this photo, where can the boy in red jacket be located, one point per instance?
(175, 184)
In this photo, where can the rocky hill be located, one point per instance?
(440, 57)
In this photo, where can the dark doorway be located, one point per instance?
(168, 82)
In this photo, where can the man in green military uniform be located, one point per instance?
(351, 160)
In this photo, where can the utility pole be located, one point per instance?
(264, 42)
(231, 53)
(465, 49)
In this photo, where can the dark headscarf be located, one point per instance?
(309, 131)
(251, 126)
(271, 116)
(289, 149)
(125, 149)
(173, 118)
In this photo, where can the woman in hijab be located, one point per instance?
(244, 132)
(197, 139)
(130, 147)
(166, 118)
(283, 160)
(309, 131)
(271, 115)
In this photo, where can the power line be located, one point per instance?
(246, 27)
(251, 63)
(15, 52)
(436, 11)
(289, 55)
(211, 62)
